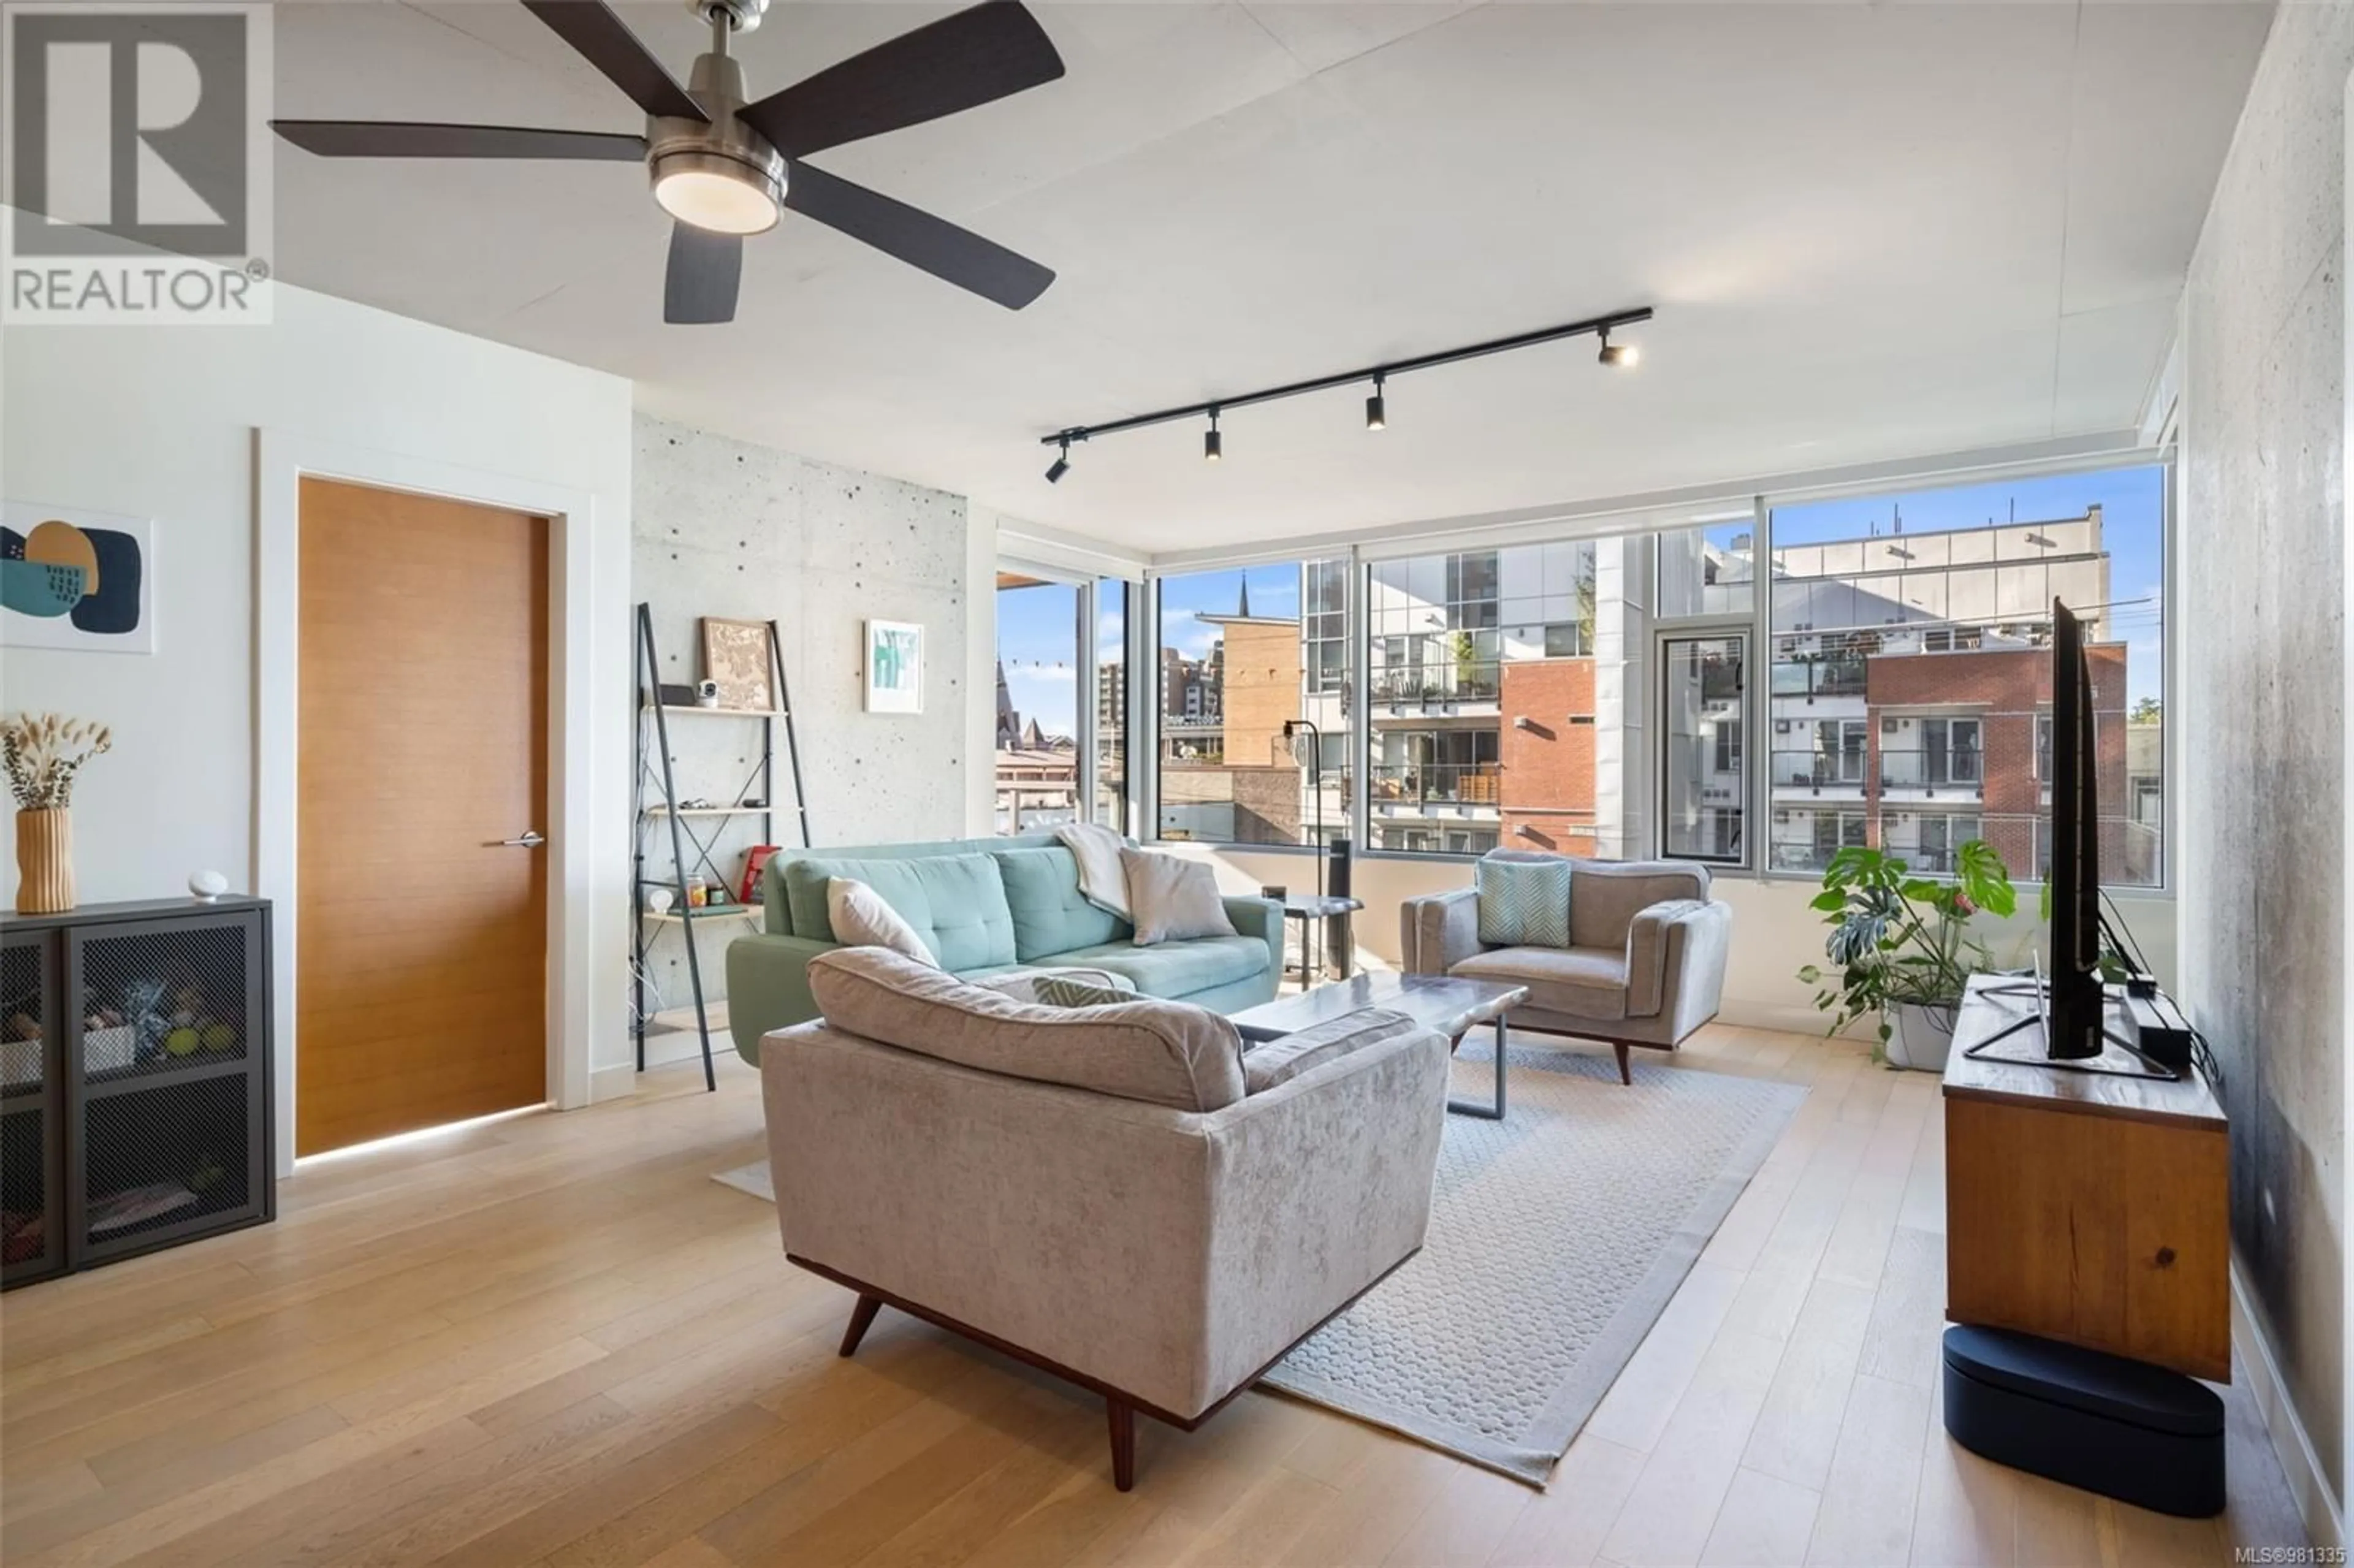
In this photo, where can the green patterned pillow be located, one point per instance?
(1523, 903)
(1061, 991)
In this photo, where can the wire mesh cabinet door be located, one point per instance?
(32, 1110)
(169, 1081)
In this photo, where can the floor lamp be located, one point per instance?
(1315, 784)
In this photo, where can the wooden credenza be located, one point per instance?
(2092, 1210)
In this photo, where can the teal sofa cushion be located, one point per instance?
(1178, 968)
(955, 902)
(1523, 903)
(1051, 916)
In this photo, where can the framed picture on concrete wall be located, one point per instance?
(895, 667)
(736, 659)
(76, 579)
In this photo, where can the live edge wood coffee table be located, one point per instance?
(1451, 1006)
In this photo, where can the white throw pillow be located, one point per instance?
(1172, 900)
(861, 919)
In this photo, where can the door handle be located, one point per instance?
(530, 839)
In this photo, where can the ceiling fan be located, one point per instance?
(724, 167)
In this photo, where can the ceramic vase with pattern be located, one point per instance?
(45, 878)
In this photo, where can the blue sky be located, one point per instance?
(1037, 627)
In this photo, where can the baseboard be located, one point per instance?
(669, 1048)
(1788, 1017)
(2307, 1481)
(611, 1082)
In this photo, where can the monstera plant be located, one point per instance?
(1899, 948)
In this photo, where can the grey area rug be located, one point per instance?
(1556, 1238)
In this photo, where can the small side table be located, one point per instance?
(1313, 910)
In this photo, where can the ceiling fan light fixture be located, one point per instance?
(717, 193)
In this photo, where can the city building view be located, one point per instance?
(1554, 696)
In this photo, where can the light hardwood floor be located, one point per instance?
(555, 1340)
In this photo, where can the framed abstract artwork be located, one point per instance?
(78, 579)
(895, 667)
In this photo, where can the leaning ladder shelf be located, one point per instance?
(657, 809)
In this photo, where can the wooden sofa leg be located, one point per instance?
(1625, 1074)
(1122, 1418)
(862, 1317)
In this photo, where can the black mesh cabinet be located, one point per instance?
(134, 1080)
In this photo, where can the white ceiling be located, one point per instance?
(1870, 231)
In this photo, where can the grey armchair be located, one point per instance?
(1645, 964)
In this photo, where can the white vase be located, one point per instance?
(1924, 1036)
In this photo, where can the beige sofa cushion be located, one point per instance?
(1171, 899)
(1280, 1061)
(1022, 985)
(1604, 896)
(1163, 1053)
(1581, 982)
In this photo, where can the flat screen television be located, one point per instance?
(2073, 1018)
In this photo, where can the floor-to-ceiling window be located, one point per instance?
(1911, 680)
(1111, 703)
(1252, 731)
(1038, 665)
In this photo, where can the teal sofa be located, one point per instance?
(983, 907)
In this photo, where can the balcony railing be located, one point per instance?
(1430, 684)
(1919, 769)
(1818, 769)
(1411, 785)
(1819, 678)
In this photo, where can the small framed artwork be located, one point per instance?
(895, 667)
(736, 659)
(76, 580)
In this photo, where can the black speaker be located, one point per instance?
(1336, 875)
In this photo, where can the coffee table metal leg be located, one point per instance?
(1473, 1107)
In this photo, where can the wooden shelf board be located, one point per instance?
(674, 1019)
(736, 911)
(708, 812)
(698, 712)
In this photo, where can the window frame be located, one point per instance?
(1087, 629)
(1647, 525)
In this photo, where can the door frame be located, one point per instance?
(282, 459)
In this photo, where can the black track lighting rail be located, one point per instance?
(1212, 407)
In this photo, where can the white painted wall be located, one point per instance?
(161, 422)
(1773, 932)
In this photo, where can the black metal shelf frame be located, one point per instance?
(653, 775)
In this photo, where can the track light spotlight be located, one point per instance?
(1061, 466)
(1212, 447)
(1377, 414)
(1622, 354)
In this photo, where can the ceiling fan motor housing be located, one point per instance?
(726, 145)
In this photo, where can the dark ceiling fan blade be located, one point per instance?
(705, 269)
(606, 42)
(414, 139)
(975, 56)
(954, 255)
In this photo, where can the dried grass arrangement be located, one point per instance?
(44, 752)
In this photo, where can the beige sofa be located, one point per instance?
(1645, 964)
(1116, 1194)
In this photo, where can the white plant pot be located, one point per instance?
(1923, 1037)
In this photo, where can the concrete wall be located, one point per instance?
(2263, 613)
(729, 529)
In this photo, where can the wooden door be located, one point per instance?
(421, 939)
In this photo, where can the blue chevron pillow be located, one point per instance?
(1523, 903)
